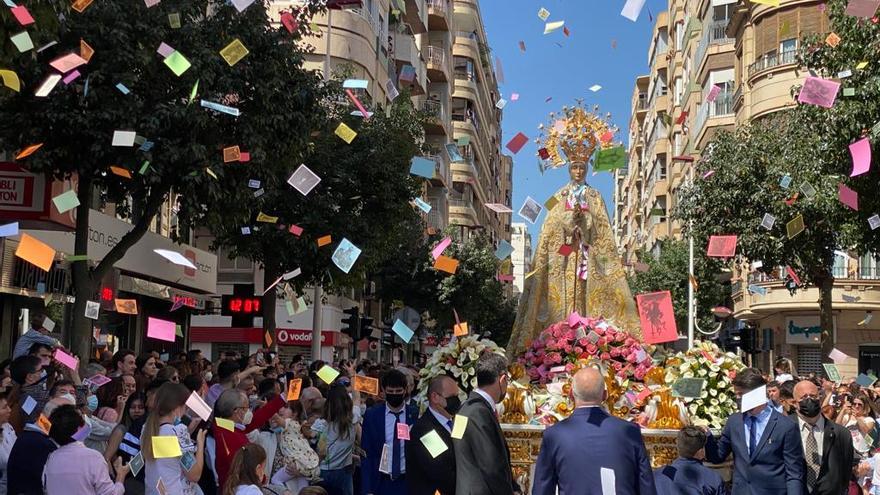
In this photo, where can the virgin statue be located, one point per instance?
(576, 266)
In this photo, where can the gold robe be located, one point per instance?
(554, 290)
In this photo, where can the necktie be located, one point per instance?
(449, 424)
(395, 449)
(811, 453)
(753, 434)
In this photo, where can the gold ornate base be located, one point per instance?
(524, 442)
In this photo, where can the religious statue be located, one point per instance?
(576, 266)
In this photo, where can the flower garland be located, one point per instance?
(457, 359)
(562, 345)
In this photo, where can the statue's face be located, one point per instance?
(577, 171)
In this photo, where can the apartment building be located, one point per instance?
(748, 50)
(521, 240)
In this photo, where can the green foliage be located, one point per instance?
(474, 291)
(669, 271)
(364, 196)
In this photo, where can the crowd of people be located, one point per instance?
(185, 425)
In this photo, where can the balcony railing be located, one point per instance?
(436, 56)
(437, 7)
(434, 108)
(714, 34)
(772, 59)
(366, 14)
(722, 106)
(642, 104)
(737, 95)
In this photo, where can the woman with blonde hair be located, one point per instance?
(247, 474)
(179, 475)
(784, 370)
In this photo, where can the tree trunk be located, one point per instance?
(825, 283)
(85, 279)
(270, 274)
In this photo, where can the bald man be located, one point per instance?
(828, 447)
(592, 448)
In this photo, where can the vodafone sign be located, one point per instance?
(301, 338)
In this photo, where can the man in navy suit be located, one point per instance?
(767, 455)
(687, 475)
(386, 474)
(592, 448)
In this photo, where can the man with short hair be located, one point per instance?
(123, 363)
(427, 475)
(687, 475)
(773, 396)
(380, 434)
(42, 351)
(591, 445)
(29, 454)
(482, 459)
(828, 447)
(36, 333)
(767, 455)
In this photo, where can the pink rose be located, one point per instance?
(605, 356)
(592, 349)
(615, 352)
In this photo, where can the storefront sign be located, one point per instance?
(106, 231)
(284, 336)
(803, 330)
(23, 195)
(302, 338)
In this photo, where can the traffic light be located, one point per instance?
(366, 327)
(350, 324)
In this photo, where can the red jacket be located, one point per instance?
(228, 442)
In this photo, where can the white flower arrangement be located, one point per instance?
(705, 360)
(457, 359)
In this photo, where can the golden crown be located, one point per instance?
(574, 134)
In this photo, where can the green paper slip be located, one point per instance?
(832, 371)
(610, 159)
(76, 257)
(22, 41)
(66, 201)
(177, 63)
(328, 374)
(689, 388)
(434, 444)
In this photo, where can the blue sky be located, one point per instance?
(546, 70)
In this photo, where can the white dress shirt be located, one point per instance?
(818, 429)
(443, 420)
(390, 418)
(486, 396)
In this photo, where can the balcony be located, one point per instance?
(713, 34)
(436, 121)
(721, 107)
(442, 177)
(438, 15)
(417, 16)
(438, 66)
(642, 102)
(771, 60)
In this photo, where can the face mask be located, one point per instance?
(92, 403)
(278, 429)
(453, 404)
(248, 417)
(394, 400)
(208, 376)
(177, 420)
(809, 407)
(69, 397)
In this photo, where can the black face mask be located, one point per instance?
(809, 407)
(394, 400)
(453, 404)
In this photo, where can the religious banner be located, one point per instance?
(657, 317)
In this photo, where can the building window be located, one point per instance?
(839, 270)
(787, 51)
(868, 266)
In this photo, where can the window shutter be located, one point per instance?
(810, 20)
(769, 36)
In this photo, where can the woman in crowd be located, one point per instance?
(146, 370)
(294, 454)
(129, 385)
(338, 436)
(111, 400)
(784, 370)
(74, 468)
(169, 373)
(857, 414)
(6, 442)
(179, 475)
(125, 440)
(247, 474)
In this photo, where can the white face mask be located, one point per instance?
(69, 397)
(248, 417)
(208, 376)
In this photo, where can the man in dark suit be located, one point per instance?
(767, 454)
(687, 475)
(482, 459)
(383, 472)
(427, 475)
(828, 447)
(592, 451)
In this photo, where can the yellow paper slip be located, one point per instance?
(461, 329)
(294, 388)
(328, 374)
(345, 133)
(35, 252)
(434, 444)
(234, 52)
(165, 447)
(459, 426)
(225, 424)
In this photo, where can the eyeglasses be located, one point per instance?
(857, 404)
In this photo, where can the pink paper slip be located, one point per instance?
(861, 156)
(517, 143)
(67, 63)
(818, 91)
(713, 93)
(438, 250)
(847, 196)
(161, 329)
(403, 431)
(66, 359)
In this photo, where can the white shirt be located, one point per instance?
(818, 430)
(248, 490)
(390, 418)
(443, 420)
(486, 396)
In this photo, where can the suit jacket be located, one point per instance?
(482, 459)
(574, 451)
(838, 459)
(777, 465)
(426, 475)
(24, 470)
(372, 440)
(688, 477)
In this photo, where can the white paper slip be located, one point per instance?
(632, 9)
(607, 475)
(753, 399)
(199, 406)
